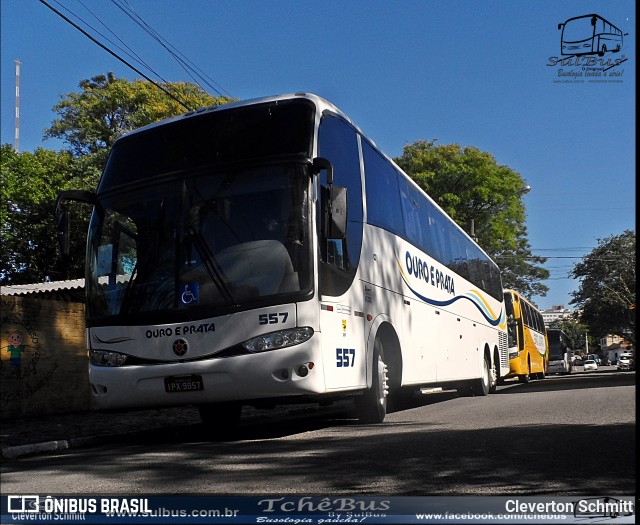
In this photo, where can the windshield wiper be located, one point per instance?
(211, 265)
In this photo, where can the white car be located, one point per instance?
(625, 362)
(590, 365)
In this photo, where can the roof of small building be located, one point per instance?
(72, 289)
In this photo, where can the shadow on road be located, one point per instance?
(571, 382)
(410, 457)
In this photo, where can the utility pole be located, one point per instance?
(16, 140)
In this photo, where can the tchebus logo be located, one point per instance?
(591, 50)
(23, 504)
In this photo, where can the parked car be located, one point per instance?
(625, 362)
(590, 365)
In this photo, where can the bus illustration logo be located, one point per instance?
(589, 35)
(180, 347)
(24, 504)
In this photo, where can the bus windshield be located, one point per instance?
(578, 29)
(209, 241)
(556, 350)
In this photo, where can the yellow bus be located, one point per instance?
(527, 339)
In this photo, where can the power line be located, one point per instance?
(131, 54)
(187, 65)
(66, 19)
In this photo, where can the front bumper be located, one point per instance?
(271, 374)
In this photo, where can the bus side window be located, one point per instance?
(384, 208)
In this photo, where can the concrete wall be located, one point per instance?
(48, 373)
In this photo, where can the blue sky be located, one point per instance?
(476, 73)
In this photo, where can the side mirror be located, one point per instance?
(334, 203)
(337, 216)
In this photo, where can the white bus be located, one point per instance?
(267, 252)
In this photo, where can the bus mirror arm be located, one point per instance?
(88, 197)
(319, 164)
(63, 216)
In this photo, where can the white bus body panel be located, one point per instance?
(224, 378)
(443, 322)
(559, 366)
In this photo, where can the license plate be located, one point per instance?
(175, 384)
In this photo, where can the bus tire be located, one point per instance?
(220, 420)
(526, 378)
(371, 407)
(486, 383)
(494, 376)
(482, 386)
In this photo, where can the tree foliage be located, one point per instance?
(30, 183)
(608, 287)
(88, 122)
(471, 186)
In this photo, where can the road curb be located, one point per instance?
(18, 451)
(35, 448)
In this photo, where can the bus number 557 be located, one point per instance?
(345, 357)
(273, 318)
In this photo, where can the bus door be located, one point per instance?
(341, 315)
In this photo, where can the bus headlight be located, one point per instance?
(279, 339)
(106, 358)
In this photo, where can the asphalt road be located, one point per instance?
(565, 435)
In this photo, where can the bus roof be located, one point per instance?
(321, 103)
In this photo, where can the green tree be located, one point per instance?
(30, 183)
(106, 107)
(471, 186)
(88, 122)
(608, 287)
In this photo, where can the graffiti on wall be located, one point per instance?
(25, 366)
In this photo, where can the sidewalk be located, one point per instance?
(27, 436)
(20, 437)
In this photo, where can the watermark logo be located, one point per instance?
(23, 504)
(591, 50)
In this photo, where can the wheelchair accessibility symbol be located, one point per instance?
(189, 294)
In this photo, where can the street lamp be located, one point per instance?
(496, 207)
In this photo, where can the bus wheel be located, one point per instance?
(482, 386)
(487, 381)
(220, 420)
(371, 407)
(525, 378)
(493, 375)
